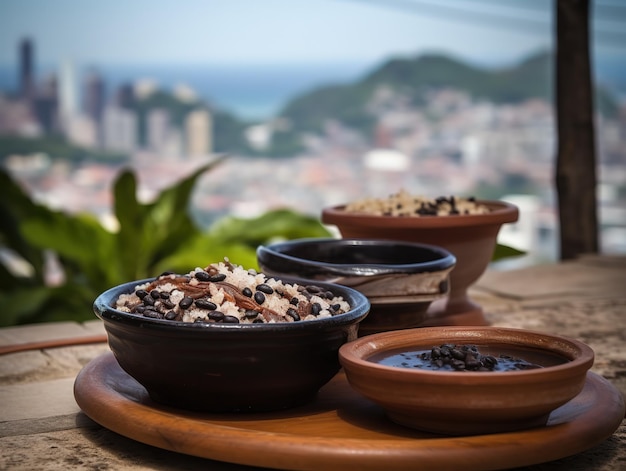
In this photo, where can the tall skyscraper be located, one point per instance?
(198, 130)
(157, 129)
(119, 129)
(94, 96)
(47, 104)
(125, 96)
(68, 100)
(27, 73)
(94, 101)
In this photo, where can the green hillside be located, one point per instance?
(412, 78)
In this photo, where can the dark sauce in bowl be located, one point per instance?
(451, 357)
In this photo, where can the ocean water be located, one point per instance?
(250, 92)
(256, 92)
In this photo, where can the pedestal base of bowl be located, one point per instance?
(385, 317)
(439, 314)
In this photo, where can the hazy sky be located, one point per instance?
(271, 31)
(275, 31)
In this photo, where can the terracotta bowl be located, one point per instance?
(470, 238)
(400, 279)
(468, 402)
(230, 367)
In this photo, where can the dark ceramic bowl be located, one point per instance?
(400, 279)
(468, 402)
(229, 367)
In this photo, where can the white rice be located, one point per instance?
(233, 291)
(405, 204)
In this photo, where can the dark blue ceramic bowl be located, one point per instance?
(401, 279)
(230, 367)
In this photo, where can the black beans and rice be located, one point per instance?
(404, 204)
(227, 293)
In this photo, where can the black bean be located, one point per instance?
(259, 297)
(168, 304)
(457, 364)
(230, 320)
(152, 314)
(472, 362)
(170, 315)
(265, 288)
(141, 293)
(294, 301)
(206, 304)
(186, 302)
(489, 361)
(457, 354)
(251, 314)
(316, 308)
(202, 276)
(148, 301)
(247, 292)
(216, 315)
(291, 312)
(217, 277)
(165, 295)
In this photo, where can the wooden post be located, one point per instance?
(576, 161)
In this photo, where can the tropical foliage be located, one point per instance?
(152, 238)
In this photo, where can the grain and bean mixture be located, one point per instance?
(227, 293)
(406, 205)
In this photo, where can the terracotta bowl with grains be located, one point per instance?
(466, 227)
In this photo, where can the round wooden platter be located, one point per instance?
(340, 429)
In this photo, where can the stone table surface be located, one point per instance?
(42, 427)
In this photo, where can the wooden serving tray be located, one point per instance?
(339, 430)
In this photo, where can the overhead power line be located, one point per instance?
(601, 10)
(446, 11)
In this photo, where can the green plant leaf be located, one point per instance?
(15, 206)
(83, 245)
(150, 232)
(205, 249)
(276, 224)
(504, 251)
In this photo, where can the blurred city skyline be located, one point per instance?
(283, 48)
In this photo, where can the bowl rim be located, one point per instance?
(103, 309)
(501, 212)
(446, 261)
(354, 354)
